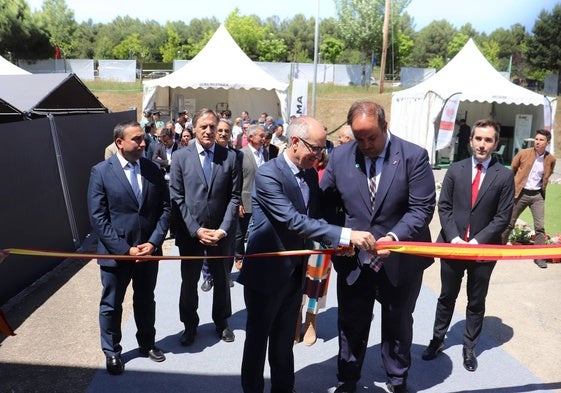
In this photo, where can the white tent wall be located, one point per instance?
(483, 92)
(83, 68)
(118, 70)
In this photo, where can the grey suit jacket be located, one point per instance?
(213, 206)
(249, 167)
(492, 210)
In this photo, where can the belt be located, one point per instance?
(531, 192)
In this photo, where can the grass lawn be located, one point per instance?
(552, 211)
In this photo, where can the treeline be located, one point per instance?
(354, 37)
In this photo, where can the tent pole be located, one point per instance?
(64, 182)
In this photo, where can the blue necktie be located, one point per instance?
(207, 165)
(133, 170)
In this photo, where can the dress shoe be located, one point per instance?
(346, 387)
(470, 361)
(541, 263)
(207, 285)
(226, 334)
(114, 365)
(397, 388)
(187, 337)
(431, 352)
(154, 354)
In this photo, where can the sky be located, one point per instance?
(484, 15)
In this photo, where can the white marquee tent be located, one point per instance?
(483, 93)
(220, 76)
(7, 68)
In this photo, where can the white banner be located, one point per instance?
(546, 114)
(447, 122)
(299, 98)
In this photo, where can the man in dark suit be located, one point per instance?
(128, 204)
(474, 207)
(164, 150)
(285, 213)
(384, 185)
(205, 186)
(269, 150)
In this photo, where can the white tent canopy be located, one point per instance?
(221, 74)
(7, 68)
(483, 93)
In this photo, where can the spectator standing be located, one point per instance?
(532, 168)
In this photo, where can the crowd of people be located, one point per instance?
(241, 187)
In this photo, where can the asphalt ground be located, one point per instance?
(57, 347)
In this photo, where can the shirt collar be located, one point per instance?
(485, 163)
(200, 148)
(291, 165)
(122, 160)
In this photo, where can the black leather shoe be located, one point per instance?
(154, 354)
(397, 388)
(346, 387)
(432, 351)
(207, 285)
(226, 334)
(114, 365)
(187, 337)
(541, 263)
(470, 361)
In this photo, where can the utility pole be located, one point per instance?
(384, 45)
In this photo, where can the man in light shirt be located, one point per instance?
(532, 168)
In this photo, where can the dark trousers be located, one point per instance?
(115, 281)
(356, 303)
(241, 233)
(189, 296)
(478, 277)
(271, 318)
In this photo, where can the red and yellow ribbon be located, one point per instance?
(481, 252)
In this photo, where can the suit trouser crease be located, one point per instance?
(270, 322)
(115, 281)
(189, 296)
(356, 304)
(477, 286)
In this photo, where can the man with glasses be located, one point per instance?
(285, 215)
(205, 191)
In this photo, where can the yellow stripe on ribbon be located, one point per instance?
(481, 252)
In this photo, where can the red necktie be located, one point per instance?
(474, 191)
(475, 184)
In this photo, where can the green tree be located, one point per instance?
(129, 48)
(247, 31)
(432, 42)
(490, 50)
(544, 48)
(456, 45)
(173, 48)
(272, 49)
(331, 49)
(20, 35)
(299, 33)
(436, 62)
(58, 20)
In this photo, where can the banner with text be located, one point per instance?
(299, 100)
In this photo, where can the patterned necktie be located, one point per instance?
(207, 165)
(133, 179)
(372, 181)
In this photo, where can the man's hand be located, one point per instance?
(209, 237)
(142, 250)
(241, 211)
(384, 253)
(363, 240)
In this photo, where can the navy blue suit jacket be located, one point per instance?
(405, 201)
(115, 214)
(282, 222)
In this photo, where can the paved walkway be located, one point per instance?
(57, 344)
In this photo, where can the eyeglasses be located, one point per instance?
(312, 148)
